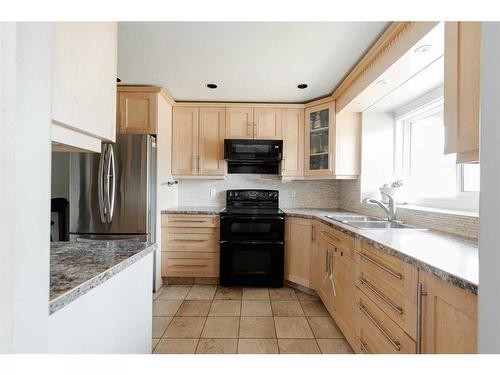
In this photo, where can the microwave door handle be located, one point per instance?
(100, 187)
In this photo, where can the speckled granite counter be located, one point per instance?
(78, 267)
(451, 258)
(198, 210)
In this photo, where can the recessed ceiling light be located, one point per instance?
(382, 81)
(358, 102)
(423, 49)
(211, 85)
(302, 86)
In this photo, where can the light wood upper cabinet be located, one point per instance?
(211, 141)
(267, 123)
(319, 140)
(185, 134)
(198, 141)
(293, 142)
(239, 123)
(137, 112)
(298, 244)
(449, 317)
(84, 84)
(461, 89)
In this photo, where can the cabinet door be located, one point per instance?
(137, 113)
(84, 78)
(325, 285)
(211, 143)
(185, 132)
(293, 142)
(461, 89)
(314, 258)
(298, 234)
(449, 317)
(239, 123)
(319, 140)
(343, 276)
(267, 123)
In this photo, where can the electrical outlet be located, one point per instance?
(212, 192)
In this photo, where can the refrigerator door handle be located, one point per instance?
(111, 183)
(100, 187)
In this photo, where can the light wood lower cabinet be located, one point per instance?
(376, 333)
(298, 243)
(190, 245)
(449, 317)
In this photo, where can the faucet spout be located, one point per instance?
(389, 208)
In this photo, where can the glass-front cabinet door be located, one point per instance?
(319, 139)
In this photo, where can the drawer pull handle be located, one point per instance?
(189, 265)
(188, 239)
(187, 221)
(364, 346)
(382, 267)
(330, 235)
(391, 304)
(393, 342)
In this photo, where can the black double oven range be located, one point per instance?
(252, 230)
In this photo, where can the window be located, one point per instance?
(428, 173)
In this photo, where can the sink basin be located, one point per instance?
(380, 225)
(346, 218)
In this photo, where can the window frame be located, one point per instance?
(403, 153)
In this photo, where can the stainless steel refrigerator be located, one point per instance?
(113, 194)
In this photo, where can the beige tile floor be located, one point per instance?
(209, 319)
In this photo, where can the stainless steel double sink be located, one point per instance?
(368, 222)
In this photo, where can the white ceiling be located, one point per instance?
(249, 61)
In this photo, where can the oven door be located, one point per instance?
(252, 228)
(251, 263)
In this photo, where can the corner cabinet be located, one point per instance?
(332, 143)
(84, 85)
(461, 89)
(198, 141)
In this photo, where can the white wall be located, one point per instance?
(489, 227)
(377, 165)
(167, 196)
(25, 117)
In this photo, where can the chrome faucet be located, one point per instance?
(389, 208)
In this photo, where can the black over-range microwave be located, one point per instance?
(253, 156)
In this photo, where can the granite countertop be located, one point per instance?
(78, 267)
(198, 210)
(449, 257)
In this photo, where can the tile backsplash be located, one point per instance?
(296, 194)
(463, 225)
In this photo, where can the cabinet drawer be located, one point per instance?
(389, 271)
(190, 221)
(190, 264)
(376, 333)
(395, 304)
(187, 239)
(337, 238)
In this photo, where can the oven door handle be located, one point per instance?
(253, 242)
(253, 218)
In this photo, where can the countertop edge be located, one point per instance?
(439, 273)
(446, 276)
(71, 295)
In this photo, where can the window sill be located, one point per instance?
(438, 210)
